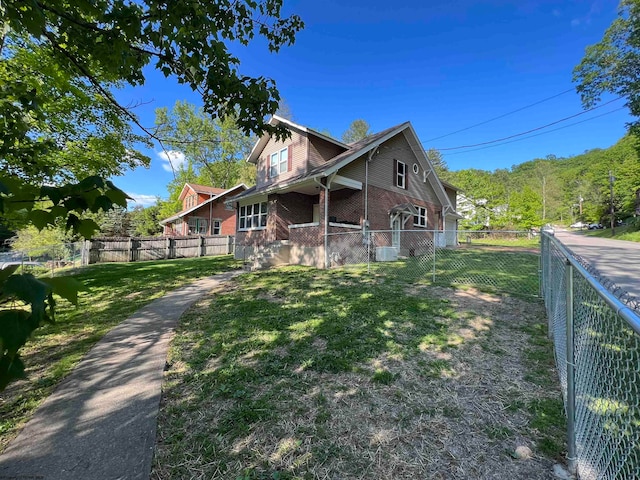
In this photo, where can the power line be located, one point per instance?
(532, 130)
(535, 135)
(503, 115)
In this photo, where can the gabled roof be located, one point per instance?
(223, 193)
(355, 151)
(200, 189)
(276, 120)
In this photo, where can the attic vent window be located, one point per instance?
(416, 169)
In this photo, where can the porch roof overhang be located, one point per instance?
(405, 208)
(449, 212)
(305, 186)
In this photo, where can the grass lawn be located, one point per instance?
(491, 269)
(298, 373)
(631, 234)
(115, 291)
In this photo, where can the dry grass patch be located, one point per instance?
(388, 382)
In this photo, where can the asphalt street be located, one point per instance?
(617, 260)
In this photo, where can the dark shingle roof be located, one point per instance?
(355, 149)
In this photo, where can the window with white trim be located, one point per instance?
(216, 227)
(252, 216)
(420, 220)
(401, 175)
(279, 162)
(191, 200)
(198, 226)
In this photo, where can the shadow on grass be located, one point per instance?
(258, 353)
(114, 291)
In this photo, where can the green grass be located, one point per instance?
(628, 233)
(493, 270)
(294, 372)
(523, 242)
(114, 292)
(548, 417)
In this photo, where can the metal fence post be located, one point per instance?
(368, 239)
(542, 269)
(571, 388)
(433, 280)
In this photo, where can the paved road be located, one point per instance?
(100, 423)
(618, 260)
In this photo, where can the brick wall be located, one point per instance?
(347, 205)
(381, 201)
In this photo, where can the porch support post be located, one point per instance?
(325, 190)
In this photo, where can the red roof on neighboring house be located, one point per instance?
(205, 189)
(200, 189)
(221, 192)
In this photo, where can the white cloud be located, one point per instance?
(170, 158)
(141, 199)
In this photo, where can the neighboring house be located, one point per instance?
(311, 186)
(477, 213)
(203, 212)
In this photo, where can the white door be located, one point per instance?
(396, 226)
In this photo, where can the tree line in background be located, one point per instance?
(552, 190)
(64, 132)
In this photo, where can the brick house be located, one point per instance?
(203, 212)
(311, 186)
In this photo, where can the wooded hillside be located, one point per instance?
(553, 190)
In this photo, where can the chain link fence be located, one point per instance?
(57, 257)
(493, 261)
(502, 261)
(596, 334)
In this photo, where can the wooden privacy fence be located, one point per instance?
(133, 249)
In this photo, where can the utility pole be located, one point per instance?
(544, 198)
(613, 221)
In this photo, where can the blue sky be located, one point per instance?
(443, 65)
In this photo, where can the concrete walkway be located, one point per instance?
(100, 423)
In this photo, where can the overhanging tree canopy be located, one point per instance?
(113, 40)
(87, 47)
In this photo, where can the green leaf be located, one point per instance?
(11, 368)
(65, 287)
(15, 328)
(87, 228)
(41, 218)
(27, 288)
(6, 272)
(116, 195)
(102, 202)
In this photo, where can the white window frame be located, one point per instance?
(420, 220)
(216, 224)
(401, 176)
(279, 162)
(252, 216)
(191, 200)
(198, 225)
